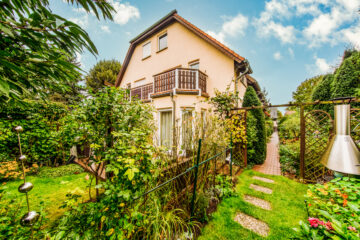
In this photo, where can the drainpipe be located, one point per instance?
(174, 144)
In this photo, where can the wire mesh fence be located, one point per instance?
(185, 191)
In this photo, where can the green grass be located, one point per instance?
(287, 201)
(52, 191)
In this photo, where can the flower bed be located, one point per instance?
(334, 210)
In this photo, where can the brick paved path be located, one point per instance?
(271, 164)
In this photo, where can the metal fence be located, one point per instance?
(199, 177)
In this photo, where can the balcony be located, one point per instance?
(142, 92)
(180, 81)
(177, 81)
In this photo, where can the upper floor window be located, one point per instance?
(162, 41)
(194, 65)
(147, 50)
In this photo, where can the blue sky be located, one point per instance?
(285, 41)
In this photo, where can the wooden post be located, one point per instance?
(245, 150)
(302, 143)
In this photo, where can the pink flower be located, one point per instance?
(314, 222)
(87, 177)
(352, 228)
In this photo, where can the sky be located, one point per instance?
(285, 41)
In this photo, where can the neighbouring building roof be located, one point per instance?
(252, 82)
(162, 23)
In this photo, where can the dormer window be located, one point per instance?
(162, 41)
(146, 50)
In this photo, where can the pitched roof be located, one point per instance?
(162, 23)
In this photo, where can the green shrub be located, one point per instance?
(347, 77)
(259, 144)
(323, 92)
(53, 172)
(251, 135)
(269, 124)
(289, 126)
(40, 139)
(334, 210)
(290, 157)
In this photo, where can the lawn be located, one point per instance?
(287, 201)
(52, 191)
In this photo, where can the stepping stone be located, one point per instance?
(258, 202)
(253, 224)
(261, 189)
(263, 179)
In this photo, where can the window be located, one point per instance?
(187, 131)
(194, 65)
(163, 42)
(139, 82)
(147, 50)
(166, 128)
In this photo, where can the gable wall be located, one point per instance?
(183, 47)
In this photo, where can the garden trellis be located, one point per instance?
(315, 130)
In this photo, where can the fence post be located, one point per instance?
(195, 180)
(231, 153)
(302, 143)
(245, 145)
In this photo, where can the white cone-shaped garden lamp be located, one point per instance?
(342, 155)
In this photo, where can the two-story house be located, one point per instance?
(176, 66)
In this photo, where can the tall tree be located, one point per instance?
(103, 73)
(304, 91)
(35, 45)
(259, 146)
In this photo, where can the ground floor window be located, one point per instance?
(187, 131)
(166, 128)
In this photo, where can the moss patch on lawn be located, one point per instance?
(287, 202)
(51, 191)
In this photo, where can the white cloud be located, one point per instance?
(277, 56)
(218, 36)
(124, 12)
(232, 27)
(328, 21)
(82, 21)
(235, 26)
(352, 35)
(321, 66)
(105, 28)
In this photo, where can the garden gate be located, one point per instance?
(316, 129)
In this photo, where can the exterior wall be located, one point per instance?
(183, 46)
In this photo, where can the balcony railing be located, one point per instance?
(179, 80)
(142, 92)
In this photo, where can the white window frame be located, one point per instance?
(143, 48)
(159, 123)
(159, 37)
(195, 63)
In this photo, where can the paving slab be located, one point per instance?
(263, 179)
(253, 224)
(261, 189)
(261, 203)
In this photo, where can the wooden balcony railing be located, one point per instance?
(180, 79)
(142, 92)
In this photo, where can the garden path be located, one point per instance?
(271, 165)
